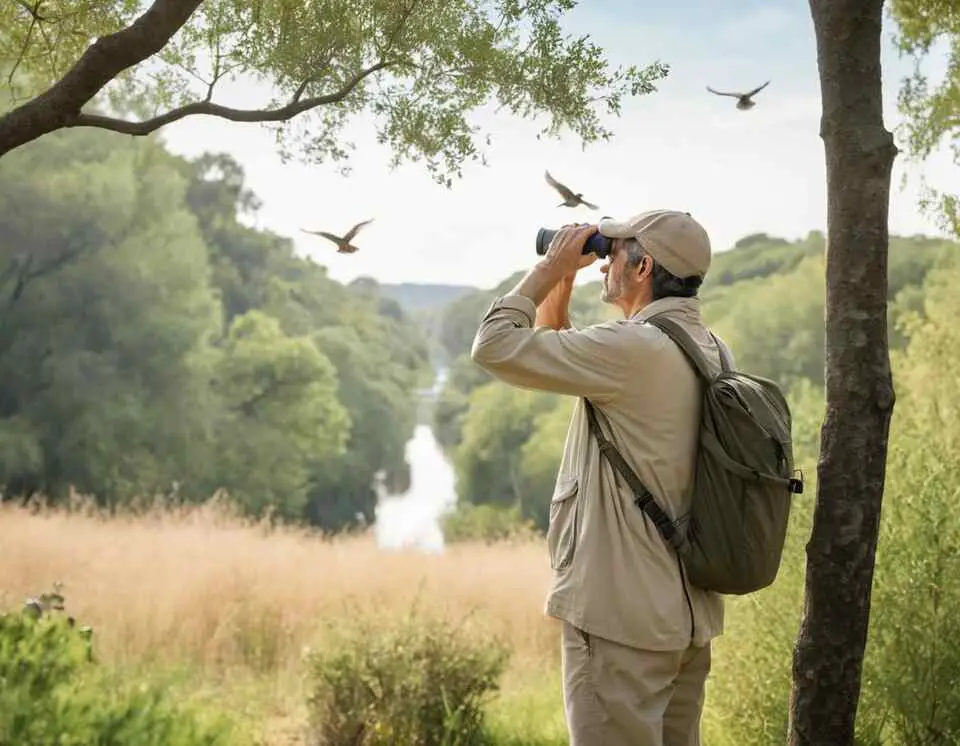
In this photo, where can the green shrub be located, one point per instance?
(52, 694)
(487, 523)
(417, 682)
(748, 691)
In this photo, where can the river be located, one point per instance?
(411, 520)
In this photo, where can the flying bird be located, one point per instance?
(343, 242)
(569, 198)
(744, 100)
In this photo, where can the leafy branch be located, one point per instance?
(434, 62)
(103, 61)
(293, 108)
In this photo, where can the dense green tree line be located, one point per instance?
(151, 343)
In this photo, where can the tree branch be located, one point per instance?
(10, 272)
(25, 273)
(61, 106)
(209, 108)
(103, 61)
(301, 89)
(33, 10)
(248, 407)
(35, 19)
(382, 50)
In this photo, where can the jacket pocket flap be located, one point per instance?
(565, 489)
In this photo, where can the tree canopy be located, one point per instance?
(419, 67)
(932, 111)
(153, 344)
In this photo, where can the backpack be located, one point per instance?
(743, 482)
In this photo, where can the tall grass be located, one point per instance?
(228, 607)
(204, 586)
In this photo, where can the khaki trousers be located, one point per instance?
(620, 696)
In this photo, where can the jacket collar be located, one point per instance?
(684, 309)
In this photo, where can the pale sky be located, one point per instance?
(681, 148)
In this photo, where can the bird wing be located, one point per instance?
(336, 239)
(356, 229)
(589, 204)
(757, 90)
(722, 93)
(564, 191)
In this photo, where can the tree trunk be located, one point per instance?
(859, 391)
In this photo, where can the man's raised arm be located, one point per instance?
(592, 362)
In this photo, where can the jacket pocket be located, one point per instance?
(564, 523)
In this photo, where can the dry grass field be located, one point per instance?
(224, 608)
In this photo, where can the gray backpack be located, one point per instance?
(743, 483)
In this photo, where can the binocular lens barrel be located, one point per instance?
(596, 244)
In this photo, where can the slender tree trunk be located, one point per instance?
(840, 555)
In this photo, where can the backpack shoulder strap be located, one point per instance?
(690, 349)
(726, 362)
(642, 497)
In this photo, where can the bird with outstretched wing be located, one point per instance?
(343, 242)
(569, 198)
(744, 100)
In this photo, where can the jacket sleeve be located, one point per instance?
(591, 362)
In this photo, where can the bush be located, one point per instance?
(51, 693)
(418, 682)
(913, 661)
(486, 523)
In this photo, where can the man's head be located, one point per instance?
(656, 254)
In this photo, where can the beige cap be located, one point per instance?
(676, 241)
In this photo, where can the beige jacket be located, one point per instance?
(614, 576)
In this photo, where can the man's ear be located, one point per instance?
(644, 268)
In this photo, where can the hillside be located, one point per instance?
(415, 296)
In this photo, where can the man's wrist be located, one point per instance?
(539, 281)
(555, 275)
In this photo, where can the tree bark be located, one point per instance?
(60, 105)
(859, 153)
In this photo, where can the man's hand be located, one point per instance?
(559, 267)
(565, 253)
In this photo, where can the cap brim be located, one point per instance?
(614, 228)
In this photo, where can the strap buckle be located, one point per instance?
(796, 484)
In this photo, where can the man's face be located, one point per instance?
(622, 285)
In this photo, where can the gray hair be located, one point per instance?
(664, 283)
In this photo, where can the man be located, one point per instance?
(635, 635)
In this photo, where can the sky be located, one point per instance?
(680, 148)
